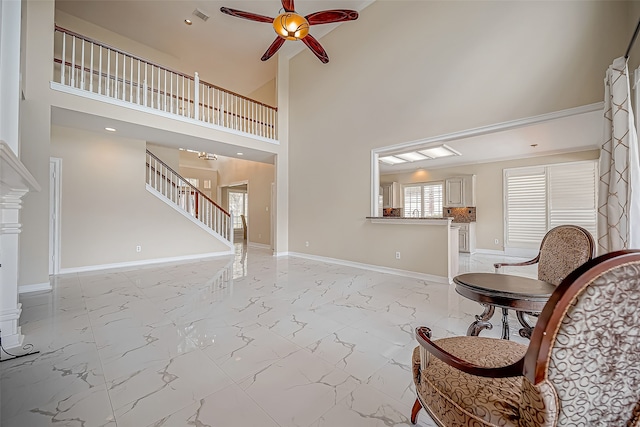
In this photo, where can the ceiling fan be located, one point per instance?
(291, 26)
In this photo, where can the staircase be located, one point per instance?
(178, 192)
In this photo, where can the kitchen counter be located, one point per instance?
(409, 220)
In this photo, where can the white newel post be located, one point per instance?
(15, 182)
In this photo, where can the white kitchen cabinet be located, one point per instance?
(460, 191)
(467, 237)
(391, 195)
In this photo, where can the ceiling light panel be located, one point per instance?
(392, 160)
(440, 151)
(412, 157)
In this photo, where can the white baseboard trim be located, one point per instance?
(490, 252)
(280, 254)
(36, 287)
(143, 262)
(259, 245)
(371, 267)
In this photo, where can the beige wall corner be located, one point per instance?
(467, 64)
(106, 210)
(35, 122)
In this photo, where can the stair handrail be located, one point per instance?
(193, 187)
(162, 67)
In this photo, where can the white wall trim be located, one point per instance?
(258, 245)
(490, 252)
(36, 287)
(497, 127)
(188, 216)
(106, 99)
(128, 264)
(371, 267)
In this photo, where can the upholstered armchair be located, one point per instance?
(581, 367)
(562, 250)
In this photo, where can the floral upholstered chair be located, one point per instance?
(562, 250)
(581, 367)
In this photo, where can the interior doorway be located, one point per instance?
(237, 201)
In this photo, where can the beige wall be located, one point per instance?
(489, 189)
(35, 122)
(464, 65)
(266, 93)
(106, 210)
(168, 155)
(259, 177)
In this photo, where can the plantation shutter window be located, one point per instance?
(423, 200)
(540, 198)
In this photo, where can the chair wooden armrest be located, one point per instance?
(423, 335)
(497, 265)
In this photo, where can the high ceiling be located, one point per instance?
(230, 48)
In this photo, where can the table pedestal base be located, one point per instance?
(483, 322)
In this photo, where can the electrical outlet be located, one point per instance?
(259, 236)
(138, 248)
(397, 255)
(497, 242)
(306, 244)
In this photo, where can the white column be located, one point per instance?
(15, 182)
(10, 17)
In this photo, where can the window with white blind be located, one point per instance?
(423, 200)
(540, 198)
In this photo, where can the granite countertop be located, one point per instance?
(410, 217)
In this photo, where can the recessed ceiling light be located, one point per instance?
(439, 151)
(188, 21)
(412, 157)
(392, 160)
(240, 154)
(110, 129)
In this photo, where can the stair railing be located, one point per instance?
(183, 194)
(89, 65)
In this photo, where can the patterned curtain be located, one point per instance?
(619, 187)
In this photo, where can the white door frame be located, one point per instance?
(55, 170)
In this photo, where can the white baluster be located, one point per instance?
(63, 59)
(82, 66)
(124, 77)
(115, 78)
(73, 61)
(108, 78)
(100, 72)
(91, 70)
(138, 85)
(196, 96)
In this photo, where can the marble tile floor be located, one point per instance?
(250, 340)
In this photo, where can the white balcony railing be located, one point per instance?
(89, 65)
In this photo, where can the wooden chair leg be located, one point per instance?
(414, 411)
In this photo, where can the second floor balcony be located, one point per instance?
(101, 70)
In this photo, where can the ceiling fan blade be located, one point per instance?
(316, 48)
(277, 43)
(329, 16)
(246, 15)
(288, 5)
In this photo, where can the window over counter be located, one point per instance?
(542, 197)
(423, 199)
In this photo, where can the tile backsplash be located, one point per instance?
(467, 214)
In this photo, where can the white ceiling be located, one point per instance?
(229, 46)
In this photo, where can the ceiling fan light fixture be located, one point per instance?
(291, 26)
